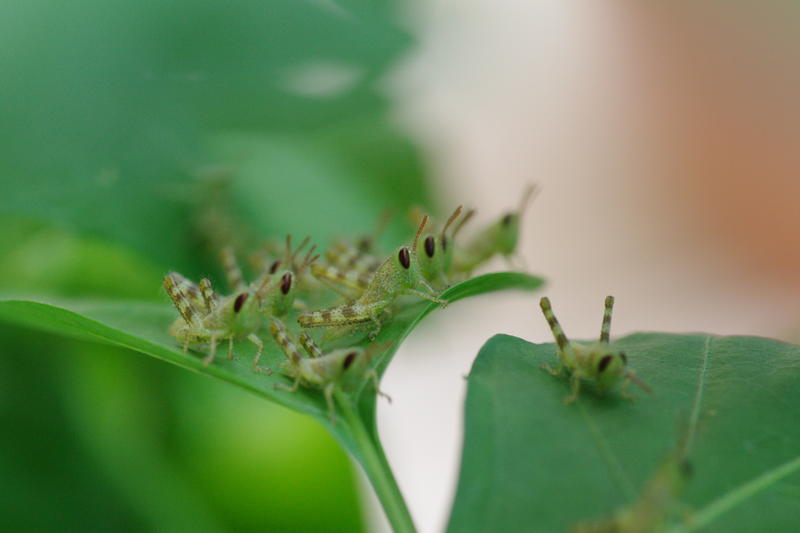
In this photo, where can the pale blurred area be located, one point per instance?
(666, 139)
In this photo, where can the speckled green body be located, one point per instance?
(398, 274)
(343, 368)
(207, 318)
(498, 238)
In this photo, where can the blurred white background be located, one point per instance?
(666, 142)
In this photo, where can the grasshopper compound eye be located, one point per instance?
(405, 258)
(286, 283)
(239, 302)
(349, 360)
(430, 246)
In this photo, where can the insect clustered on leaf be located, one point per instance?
(598, 362)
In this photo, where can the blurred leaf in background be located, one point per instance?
(112, 114)
(108, 109)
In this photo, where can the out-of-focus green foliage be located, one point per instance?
(113, 117)
(109, 109)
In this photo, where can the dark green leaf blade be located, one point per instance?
(142, 326)
(531, 463)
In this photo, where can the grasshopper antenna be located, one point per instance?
(605, 329)
(452, 219)
(469, 214)
(308, 260)
(421, 227)
(531, 192)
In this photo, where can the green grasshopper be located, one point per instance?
(345, 368)
(206, 317)
(281, 277)
(353, 278)
(350, 266)
(398, 274)
(657, 503)
(598, 361)
(436, 261)
(271, 260)
(500, 237)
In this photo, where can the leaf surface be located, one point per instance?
(531, 463)
(142, 326)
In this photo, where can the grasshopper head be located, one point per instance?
(508, 225)
(283, 295)
(430, 256)
(237, 313)
(406, 260)
(279, 285)
(436, 253)
(351, 363)
(609, 366)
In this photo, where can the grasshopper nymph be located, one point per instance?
(436, 258)
(207, 317)
(500, 237)
(398, 274)
(345, 368)
(598, 361)
(276, 286)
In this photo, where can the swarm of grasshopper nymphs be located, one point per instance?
(368, 282)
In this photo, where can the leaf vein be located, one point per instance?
(608, 455)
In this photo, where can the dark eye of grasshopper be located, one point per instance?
(348, 360)
(430, 246)
(274, 267)
(507, 219)
(240, 300)
(624, 357)
(604, 362)
(405, 257)
(286, 283)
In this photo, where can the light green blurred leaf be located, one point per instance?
(531, 463)
(107, 106)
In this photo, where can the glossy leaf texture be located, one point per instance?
(532, 464)
(142, 326)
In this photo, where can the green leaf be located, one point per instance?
(142, 326)
(531, 463)
(105, 139)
